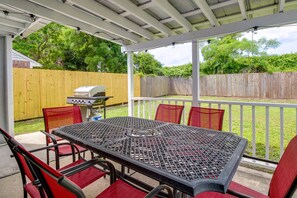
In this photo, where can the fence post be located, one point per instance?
(195, 73)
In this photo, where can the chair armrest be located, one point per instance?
(259, 159)
(52, 137)
(73, 147)
(238, 194)
(56, 145)
(158, 189)
(92, 162)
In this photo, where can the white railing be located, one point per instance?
(262, 124)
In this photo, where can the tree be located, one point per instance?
(41, 45)
(178, 71)
(59, 47)
(146, 63)
(231, 54)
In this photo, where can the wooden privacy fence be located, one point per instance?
(35, 89)
(154, 86)
(256, 85)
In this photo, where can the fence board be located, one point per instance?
(35, 89)
(258, 85)
(155, 86)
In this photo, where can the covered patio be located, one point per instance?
(140, 25)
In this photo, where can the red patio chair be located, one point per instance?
(206, 118)
(283, 182)
(80, 177)
(56, 185)
(169, 113)
(29, 188)
(56, 117)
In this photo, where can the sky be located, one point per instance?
(182, 53)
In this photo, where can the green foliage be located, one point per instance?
(145, 63)
(283, 63)
(230, 54)
(178, 71)
(59, 47)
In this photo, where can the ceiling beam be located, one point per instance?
(281, 5)
(173, 13)
(237, 16)
(82, 16)
(202, 4)
(278, 19)
(104, 12)
(9, 29)
(29, 26)
(199, 11)
(142, 6)
(242, 9)
(139, 13)
(43, 12)
(11, 23)
(21, 17)
(4, 33)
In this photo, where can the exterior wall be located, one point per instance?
(20, 64)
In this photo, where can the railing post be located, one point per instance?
(195, 73)
(130, 83)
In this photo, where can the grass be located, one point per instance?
(260, 124)
(33, 125)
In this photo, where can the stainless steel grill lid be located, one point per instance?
(89, 91)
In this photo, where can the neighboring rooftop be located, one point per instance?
(18, 58)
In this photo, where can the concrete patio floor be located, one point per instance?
(11, 184)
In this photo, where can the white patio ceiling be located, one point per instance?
(145, 24)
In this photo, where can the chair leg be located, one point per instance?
(57, 162)
(123, 170)
(47, 156)
(25, 193)
(73, 157)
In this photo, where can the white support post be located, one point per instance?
(195, 73)
(6, 86)
(130, 83)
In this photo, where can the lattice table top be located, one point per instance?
(185, 155)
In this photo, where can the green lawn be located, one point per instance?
(260, 117)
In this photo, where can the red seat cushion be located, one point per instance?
(66, 149)
(85, 177)
(121, 189)
(234, 187)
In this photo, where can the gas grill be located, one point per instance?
(90, 99)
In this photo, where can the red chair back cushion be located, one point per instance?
(206, 118)
(285, 174)
(169, 113)
(19, 158)
(60, 116)
(50, 177)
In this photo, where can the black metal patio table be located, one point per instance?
(189, 159)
